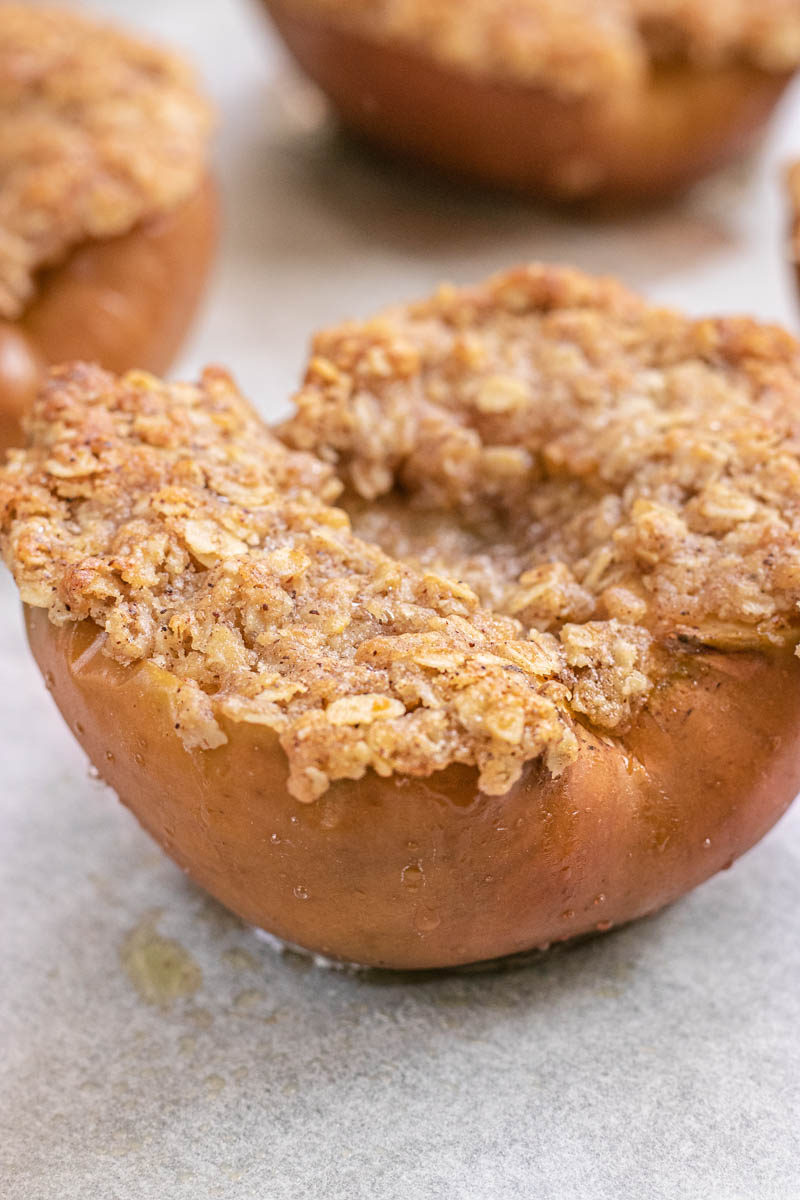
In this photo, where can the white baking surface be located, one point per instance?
(661, 1061)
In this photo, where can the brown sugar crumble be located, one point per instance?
(549, 493)
(585, 455)
(173, 519)
(98, 132)
(575, 47)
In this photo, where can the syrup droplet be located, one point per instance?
(109, 756)
(603, 926)
(426, 920)
(276, 841)
(412, 876)
(300, 892)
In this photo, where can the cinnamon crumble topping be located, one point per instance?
(548, 493)
(173, 519)
(98, 131)
(584, 456)
(577, 47)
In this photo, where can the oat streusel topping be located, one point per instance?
(596, 458)
(98, 131)
(173, 519)
(578, 47)
(617, 484)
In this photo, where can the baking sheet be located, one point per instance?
(153, 1046)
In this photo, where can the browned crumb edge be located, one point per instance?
(611, 479)
(577, 47)
(98, 133)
